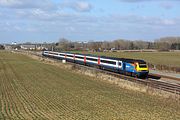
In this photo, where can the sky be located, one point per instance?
(84, 20)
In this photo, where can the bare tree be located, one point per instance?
(63, 44)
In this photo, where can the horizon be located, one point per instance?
(84, 20)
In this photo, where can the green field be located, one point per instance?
(161, 58)
(30, 89)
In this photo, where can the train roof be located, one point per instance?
(126, 60)
(114, 58)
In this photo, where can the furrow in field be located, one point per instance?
(65, 105)
(25, 109)
(12, 95)
(2, 113)
(6, 99)
(30, 106)
(45, 102)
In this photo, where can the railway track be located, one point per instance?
(161, 85)
(163, 76)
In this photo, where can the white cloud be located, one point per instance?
(166, 5)
(17, 28)
(10, 3)
(141, 20)
(168, 22)
(71, 29)
(44, 15)
(133, 1)
(81, 6)
(26, 4)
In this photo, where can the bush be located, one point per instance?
(2, 47)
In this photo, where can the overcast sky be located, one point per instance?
(83, 20)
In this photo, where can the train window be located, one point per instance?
(69, 55)
(54, 53)
(142, 65)
(61, 54)
(91, 59)
(79, 57)
(108, 62)
(120, 63)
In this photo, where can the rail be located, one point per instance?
(164, 76)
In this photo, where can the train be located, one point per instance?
(131, 67)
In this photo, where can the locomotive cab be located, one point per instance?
(142, 69)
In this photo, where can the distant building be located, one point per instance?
(28, 47)
(33, 47)
(14, 43)
(41, 48)
(8, 47)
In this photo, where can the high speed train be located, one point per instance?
(131, 67)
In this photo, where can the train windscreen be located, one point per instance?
(142, 65)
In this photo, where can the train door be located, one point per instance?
(124, 66)
(120, 65)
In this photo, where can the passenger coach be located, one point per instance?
(132, 67)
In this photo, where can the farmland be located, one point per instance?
(162, 58)
(30, 89)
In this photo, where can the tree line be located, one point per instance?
(162, 44)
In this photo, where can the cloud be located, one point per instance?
(166, 5)
(80, 6)
(27, 4)
(42, 15)
(134, 1)
(168, 22)
(141, 20)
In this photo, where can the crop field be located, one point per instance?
(31, 89)
(162, 58)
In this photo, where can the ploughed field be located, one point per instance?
(161, 58)
(30, 89)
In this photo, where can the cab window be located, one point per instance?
(135, 66)
(142, 65)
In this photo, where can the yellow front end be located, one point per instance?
(142, 67)
(142, 70)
